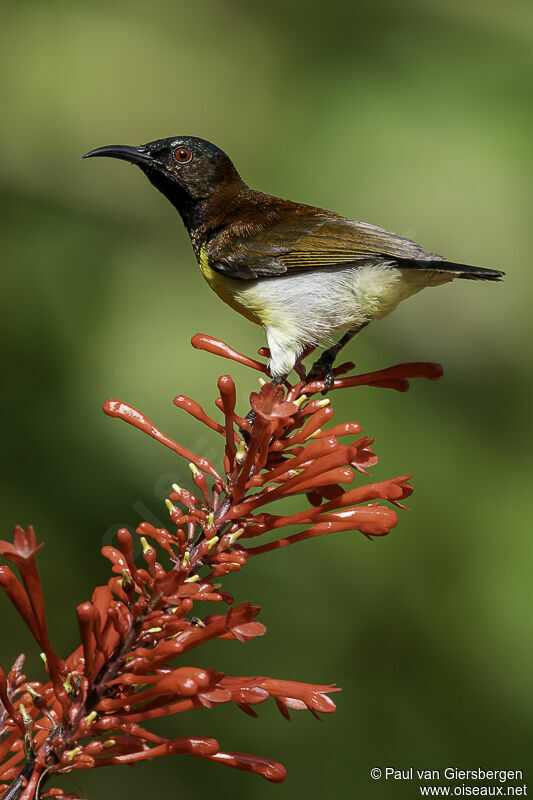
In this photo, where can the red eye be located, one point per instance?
(183, 155)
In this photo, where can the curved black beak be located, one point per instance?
(135, 155)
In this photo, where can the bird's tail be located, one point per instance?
(459, 270)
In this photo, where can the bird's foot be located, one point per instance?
(250, 418)
(322, 370)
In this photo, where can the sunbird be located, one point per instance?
(303, 273)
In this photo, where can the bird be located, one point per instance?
(304, 273)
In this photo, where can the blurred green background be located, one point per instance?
(415, 116)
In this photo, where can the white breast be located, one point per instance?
(308, 308)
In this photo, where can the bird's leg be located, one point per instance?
(250, 418)
(322, 369)
(299, 368)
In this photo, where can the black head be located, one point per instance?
(185, 169)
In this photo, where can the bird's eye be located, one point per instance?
(182, 155)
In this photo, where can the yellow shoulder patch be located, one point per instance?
(232, 292)
(209, 274)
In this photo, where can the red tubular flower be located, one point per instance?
(273, 772)
(22, 553)
(92, 711)
(270, 404)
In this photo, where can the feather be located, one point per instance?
(457, 270)
(309, 242)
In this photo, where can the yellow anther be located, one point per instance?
(174, 609)
(31, 691)
(27, 719)
(73, 753)
(232, 538)
(109, 743)
(323, 403)
(186, 558)
(44, 659)
(193, 468)
(262, 381)
(90, 718)
(240, 455)
(210, 520)
(67, 684)
(199, 623)
(154, 630)
(300, 400)
(145, 546)
(213, 542)
(314, 434)
(126, 579)
(177, 488)
(170, 505)
(192, 579)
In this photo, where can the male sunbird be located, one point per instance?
(304, 273)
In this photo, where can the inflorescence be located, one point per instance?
(93, 709)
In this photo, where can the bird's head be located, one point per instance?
(187, 170)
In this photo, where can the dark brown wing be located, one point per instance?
(311, 242)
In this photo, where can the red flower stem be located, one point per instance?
(126, 548)
(343, 429)
(195, 410)
(6, 701)
(294, 392)
(389, 378)
(133, 729)
(226, 388)
(261, 434)
(318, 419)
(115, 408)
(342, 455)
(391, 490)
(270, 770)
(337, 475)
(71, 732)
(201, 482)
(10, 768)
(34, 590)
(187, 745)
(241, 422)
(86, 623)
(14, 590)
(154, 713)
(30, 790)
(368, 514)
(219, 348)
(5, 746)
(311, 452)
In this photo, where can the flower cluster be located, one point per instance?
(93, 710)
